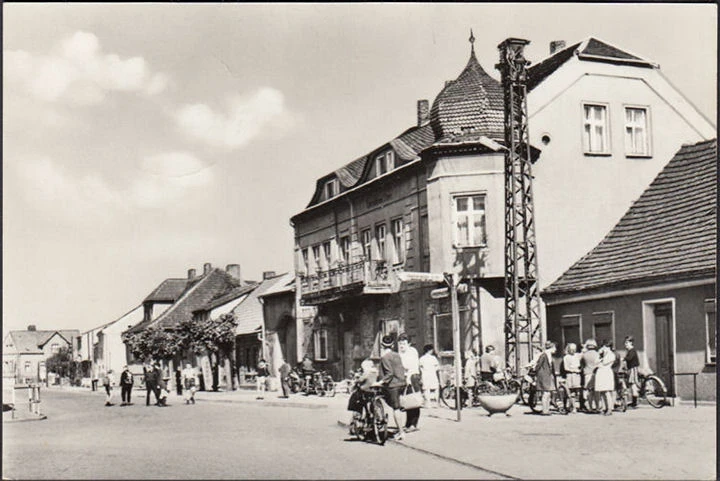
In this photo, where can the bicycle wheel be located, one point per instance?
(447, 394)
(655, 392)
(379, 421)
(525, 388)
(361, 426)
(533, 400)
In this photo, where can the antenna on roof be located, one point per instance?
(472, 42)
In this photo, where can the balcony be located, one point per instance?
(364, 277)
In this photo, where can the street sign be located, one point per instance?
(428, 277)
(444, 292)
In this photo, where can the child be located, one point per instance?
(262, 374)
(108, 382)
(190, 384)
(571, 367)
(163, 394)
(367, 378)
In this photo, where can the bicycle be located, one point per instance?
(652, 389)
(373, 419)
(560, 399)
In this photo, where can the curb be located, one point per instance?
(439, 456)
(22, 420)
(267, 403)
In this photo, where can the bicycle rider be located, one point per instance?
(358, 398)
(393, 377)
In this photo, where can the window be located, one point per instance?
(321, 345)
(331, 188)
(316, 257)
(384, 163)
(28, 365)
(711, 330)
(595, 133)
(603, 326)
(326, 252)
(366, 239)
(571, 330)
(398, 239)
(54, 348)
(306, 261)
(636, 131)
(345, 249)
(470, 220)
(380, 233)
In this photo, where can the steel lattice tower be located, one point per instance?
(523, 331)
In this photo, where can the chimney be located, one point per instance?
(32, 327)
(191, 273)
(234, 271)
(268, 275)
(448, 82)
(556, 46)
(423, 112)
(207, 267)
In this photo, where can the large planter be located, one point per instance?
(497, 403)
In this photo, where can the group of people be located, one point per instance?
(591, 375)
(155, 384)
(402, 373)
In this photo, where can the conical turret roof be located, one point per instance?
(471, 103)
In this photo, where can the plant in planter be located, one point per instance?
(496, 399)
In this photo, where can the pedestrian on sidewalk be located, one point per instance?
(605, 379)
(632, 363)
(546, 376)
(429, 369)
(190, 383)
(411, 363)
(126, 384)
(284, 378)
(393, 377)
(588, 363)
(571, 368)
(178, 382)
(261, 378)
(152, 378)
(108, 381)
(163, 393)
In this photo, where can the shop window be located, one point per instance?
(321, 344)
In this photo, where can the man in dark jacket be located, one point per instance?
(545, 377)
(126, 384)
(392, 375)
(152, 377)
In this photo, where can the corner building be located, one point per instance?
(432, 200)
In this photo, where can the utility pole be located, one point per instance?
(523, 330)
(450, 279)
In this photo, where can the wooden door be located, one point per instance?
(664, 352)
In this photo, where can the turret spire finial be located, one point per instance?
(472, 42)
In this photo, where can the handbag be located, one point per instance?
(412, 399)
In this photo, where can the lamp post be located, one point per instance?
(450, 279)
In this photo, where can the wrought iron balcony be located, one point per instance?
(363, 277)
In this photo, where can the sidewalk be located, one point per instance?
(669, 443)
(271, 398)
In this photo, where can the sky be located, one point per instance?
(142, 140)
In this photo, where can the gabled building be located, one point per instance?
(25, 352)
(431, 199)
(653, 277)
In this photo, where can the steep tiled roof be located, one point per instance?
(168, 291)
(31, 342)
(249, 313)
(473, 101)
(539, 72)
(201, 290)
(669, 233)
(286, 284)
(228, 296)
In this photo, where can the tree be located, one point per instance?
(215, 337)
(153, 343)
(62, 363)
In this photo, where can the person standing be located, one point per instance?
(632, 364)
(126, 384)
(94, 380)
(571, 367)
(604, 377)
(588, 362)
(262, 375)
(546, 375)
(178, 382)
(393, 377)
(411, 363)
(108, 381)
(152, 377)
(190, 383)
(489, 364)
(284, 379)
(429, 368)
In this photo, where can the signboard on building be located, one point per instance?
(425, 277)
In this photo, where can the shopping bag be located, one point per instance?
(411, 399)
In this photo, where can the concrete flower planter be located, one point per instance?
(497, 403)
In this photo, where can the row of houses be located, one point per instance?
(604, 125)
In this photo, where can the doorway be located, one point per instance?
(659, 340)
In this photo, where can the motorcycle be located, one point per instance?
(296, 381)
(320, 383)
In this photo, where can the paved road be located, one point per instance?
(82, 439)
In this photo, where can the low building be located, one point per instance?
(26, 352)
(653, 277)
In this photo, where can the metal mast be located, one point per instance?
(523, 331)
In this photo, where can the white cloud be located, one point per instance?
(244, 119)
(164, 180)
(79, 72)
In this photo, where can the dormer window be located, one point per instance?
(384, 163)
(331, 189)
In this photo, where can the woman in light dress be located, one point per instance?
(605, 378)
(429, 367)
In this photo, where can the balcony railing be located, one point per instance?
(369, 276)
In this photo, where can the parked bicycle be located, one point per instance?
(561, 399)
(372, 421)
(652, 389)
